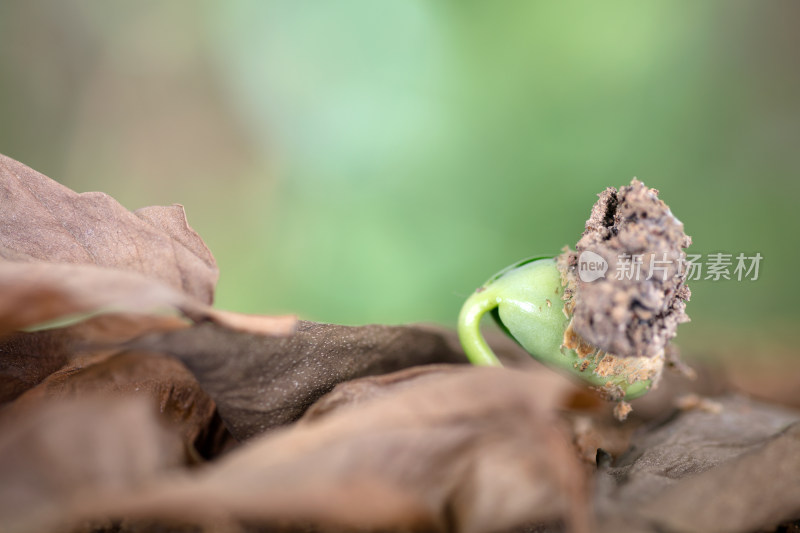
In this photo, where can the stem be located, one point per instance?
(469, 327)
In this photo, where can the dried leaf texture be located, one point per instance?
(732, 470)
(38, 292)
(767, 491)
(64, 254)
(259, 382)
(55, 456)
(27, 358)
(466, 449)
(34, 293)
(84, 258)
(41, 220)
(163, 382)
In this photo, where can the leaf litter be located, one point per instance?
(146, 409)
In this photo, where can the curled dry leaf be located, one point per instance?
(27, 358)
(41, 220)
(38, 292)
(83, 257)
(259, 382)
(165, 383)
(595, 434)
(760, 490)
(64, 254)
(465, 449)
(703, 471)
(551, 390)
(68, 449)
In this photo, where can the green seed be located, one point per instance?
(526, 301)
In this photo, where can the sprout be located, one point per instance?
(609, 331)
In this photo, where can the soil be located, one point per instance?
(635, 309)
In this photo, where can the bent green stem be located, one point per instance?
(469, 327)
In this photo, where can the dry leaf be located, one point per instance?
(259, 382)
(550, 388)
(38, 292)
(465, 449)
(68, 449)
(670, 463)
(27, 358)
(64, 254)
(83, 257)
(755, 491)
(41, 220)
(164, 382)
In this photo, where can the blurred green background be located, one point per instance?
(375, 160)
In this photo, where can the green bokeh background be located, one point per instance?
(374, 160)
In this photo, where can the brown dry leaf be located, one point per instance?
(600, 437)
(34, 292)
(69, 449)
(461, 449)
(27, 358)
(163, 381)
(259, 382)
(735, 470)
(760, 490)
(550, 388)
(597, 436)
(41, 220)
(38, 292)
(64, 254)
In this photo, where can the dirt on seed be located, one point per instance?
(636, 308)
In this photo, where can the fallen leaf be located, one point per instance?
(65, 255)
(755, 491)
(84, 260)
(593, 435)
(464, 449)
(27, 358)
(163, 381)
(670, 462)
(34, 293)
(42, 220)
(59, 453)
(259, 382)
(550, 388)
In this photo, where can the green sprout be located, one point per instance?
(611, 333)
(525, 300)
